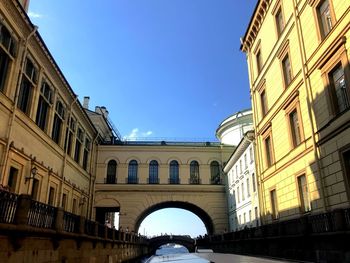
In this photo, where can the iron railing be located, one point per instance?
(41, 215)
(70, 222)
(8, 205)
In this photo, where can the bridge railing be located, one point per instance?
(22, 210)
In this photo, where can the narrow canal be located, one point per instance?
(174, 253)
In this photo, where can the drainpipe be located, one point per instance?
(14, 107)
(65, 153)
(92, 180)
(308, 99)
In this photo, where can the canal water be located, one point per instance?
(174, 253)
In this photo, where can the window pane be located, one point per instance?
(111, 172)
(325, 17)
(295, 127)
(287, 72)
(194, 172)
(274, 208)
(174, 172)
(153, 172)
(341, 92)
(215, 172)
(268, 151)
(132, 172)
(279, 21)
(263, 100)
(303, 194)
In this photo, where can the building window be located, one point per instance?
(303, 194)
(7, 54)
(245, 161)
(57, 122)
(251, 156)
(35, 189)
(256, 216)
(12, 180)
(346, 170)
(244, 218)
(236, 171)
(132, 172)
(215, 173)
(248, 188)
(243, 197)
(268, 150)
(279, 21)
(45, 100)
(74, 206)
(250, 216)
(295, 127)
(325, 17)
(253, 182)
(194, 173)
(174, 172)
(51, 198)
(238, 196)
(153, 173)
(78, 142)
(287, 70)
(111, 172)
(274, 207)
(259, 61)
(69, 135)
(240, 167)
(339, 89)
(263, 102)
(64, 201)
(86, 153)
(27, 85)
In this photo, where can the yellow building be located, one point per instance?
(298, 59)
(47, 141)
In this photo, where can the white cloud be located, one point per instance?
(135, 134)
(34, 15)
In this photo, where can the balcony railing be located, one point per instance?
(22, 210)
(174, 180)
(132, 180)
(110, 180)
(153, 180)
(41, 215)
(194, 181)
(8, 205)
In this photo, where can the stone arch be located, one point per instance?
(213, 160)
(202, 214)
(106, 201)
(111, 158)
(133, 158)
(155, 159)
(174, 159)
(194, 159)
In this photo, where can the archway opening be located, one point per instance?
(172, 221)
(171, 248)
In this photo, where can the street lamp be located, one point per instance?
(33, 172)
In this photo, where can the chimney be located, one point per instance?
(104, 111)
(86, 102)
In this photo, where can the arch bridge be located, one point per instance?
(139, 179)
(186, 241)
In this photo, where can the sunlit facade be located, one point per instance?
(242, 190)
(47, 147)
(298, 62)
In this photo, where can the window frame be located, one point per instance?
(59, 117)
(153, 172)
(174, 177)
(10, 53)
(133, 172)
(274, 204)
(44, 105)
(268, 134)
(300, 192)
(278, 8)
(194, 172)
(318, 23)
(294, 106)
(331, 62)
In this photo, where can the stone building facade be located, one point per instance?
(242, 189)
(47, 141)
(298, 61)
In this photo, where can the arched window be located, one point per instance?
(153, 172)
(174, 172)
(132, 172)
(215, 173)
(111, 172)
(194, 172)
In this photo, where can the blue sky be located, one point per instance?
(163, 68)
